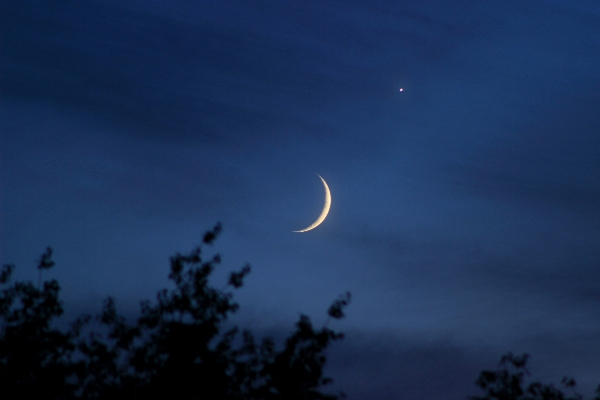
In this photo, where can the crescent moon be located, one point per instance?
(325, 211)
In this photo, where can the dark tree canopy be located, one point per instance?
(508, 383)
(177, 348)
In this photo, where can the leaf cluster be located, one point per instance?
(176, 348)
(507, 382)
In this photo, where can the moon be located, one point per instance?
(325, 211)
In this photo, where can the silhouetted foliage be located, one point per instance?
(507, 383)
(177, 348)
(34, 357)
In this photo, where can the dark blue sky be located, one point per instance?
(466, 209)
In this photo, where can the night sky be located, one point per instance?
(465, 216)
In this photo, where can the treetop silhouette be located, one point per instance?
(507, 382)
(177, 347)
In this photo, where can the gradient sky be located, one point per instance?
(465, 218)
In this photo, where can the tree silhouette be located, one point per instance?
(177, 347)
(34, 357)
(507, 383)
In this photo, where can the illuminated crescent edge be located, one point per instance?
(325, 208)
